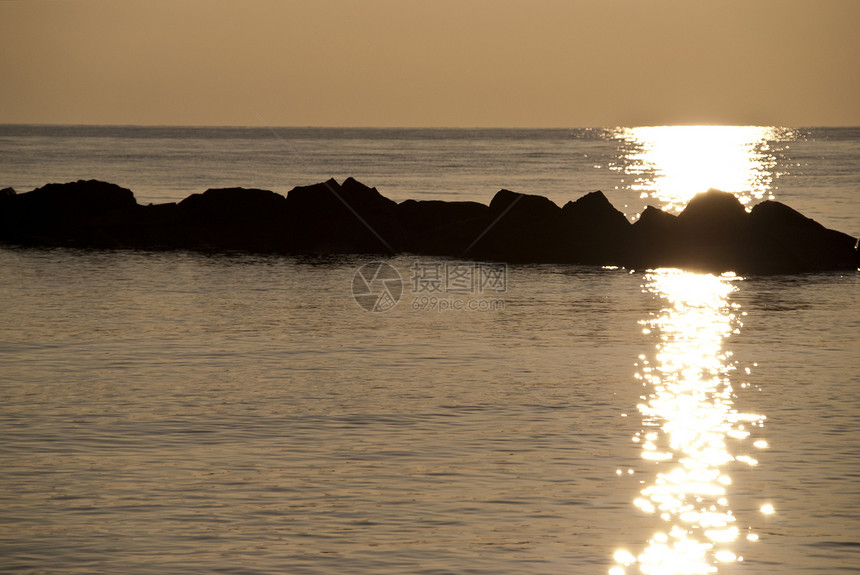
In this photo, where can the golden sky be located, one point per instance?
(462, 63)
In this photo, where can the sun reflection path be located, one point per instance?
(688, 416)
(674, 163)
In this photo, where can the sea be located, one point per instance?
(186, 412)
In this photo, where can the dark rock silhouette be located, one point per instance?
(232, 218)
(713, 233)
(83, 213)
(785, 241)
(434, 227)
(593, 231)
(348, 218)
(709, 234)
(520, 228)
(652, 238)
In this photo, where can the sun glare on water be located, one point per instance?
(688, 418)
(692, 432)
(671, 164)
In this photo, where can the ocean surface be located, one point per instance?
(177, 412)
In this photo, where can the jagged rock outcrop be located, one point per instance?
(652, 237)
(334, 218)
(713, 233)
(782, 240)
(593, 231)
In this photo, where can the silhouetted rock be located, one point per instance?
(653, 238)
(785, 241)
(235, 218)
(83, 213)
(713, 211)
(713, 233)
(435, 227)
(593, 231)
(520, 228)
(161, 226)
(348, 218)
(710, 234)
(521, 206)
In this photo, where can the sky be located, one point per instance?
(402, 63)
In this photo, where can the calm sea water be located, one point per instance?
(189, 413)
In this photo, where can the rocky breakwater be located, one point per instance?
(713, 233)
